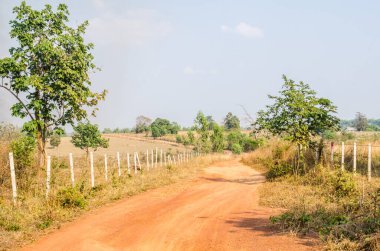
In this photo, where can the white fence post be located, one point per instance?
(342, 156)
(369, 162)
(165, 159)
(129, 164)
(48, 165)
(354, 168)
(105, 167)
(332, 154)
(92, 169)
(13, 177)
(152, 158)
(138, 161)
(161, 158)
(118, 163)
(156, 157)
(147, 159)
(71, 169)
(134, 160)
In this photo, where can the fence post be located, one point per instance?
(129, 164)
(152, 158)
(105, 167)
(161, 158)
(92, 169)
(369, 162)
(71, 169)
(354, 167)
(174, 160)
(48, 164)
(134, 160)
(165, 158)
(118, 163)
(156, 157)
(332, 154)
(342, 156)
(138, 162)
(147, 159)
(13, 178)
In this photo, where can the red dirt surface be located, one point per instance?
(216, 211)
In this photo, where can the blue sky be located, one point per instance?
(171, 59)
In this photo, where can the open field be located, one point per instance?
(123, 143)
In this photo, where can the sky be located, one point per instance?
(171, 59)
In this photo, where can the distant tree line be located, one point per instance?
(361, 123)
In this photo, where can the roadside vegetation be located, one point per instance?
(319, 197)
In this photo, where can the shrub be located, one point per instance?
(71, 198)
(279, 169)
(179, 139)
(343, 184)
(23, 149)
(236, 149)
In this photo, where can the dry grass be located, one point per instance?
(35, 215)
(122, 143)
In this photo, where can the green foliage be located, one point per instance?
(217, 139)
(161, 127)
(71, 198)
(55, 140)
(8, 132)
(297, 114)
(23, 149)
(48, 71)
(246, 143)
(179, 139)
(191, 137)
(278, 169)
(88, 136)
(142, 124)
(201, 125)
(231, 122)
(360, 122)
(328, 134)
(236, 148)
(343, 184)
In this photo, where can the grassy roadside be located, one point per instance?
(342, 208)
(35, 215)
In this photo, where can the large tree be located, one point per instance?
(231, 122)
(87, 136)
(48, 71)
(297, 114)
(360, 122)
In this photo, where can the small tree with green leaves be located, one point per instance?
(201, 125)
(87, 136)
(298, 115)
(48, 72)
(231, 122)
(55, 140)
(217, 138)
(360, 122)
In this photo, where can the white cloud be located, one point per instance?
(135, 27)
(98, 3)
(189, 70)
(243, 29)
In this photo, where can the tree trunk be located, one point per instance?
(41, 149)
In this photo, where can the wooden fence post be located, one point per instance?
(129, 164)
(156, 157)
(135, 162)
(105, 167)
(13, 178)
(92, 169)
(138, 161)
(161, 158)
(147, 159)
(71, 161)
(118, 163)
(342, 156)
(369, 162)
(354, 167)
(332, 154)
(48, 165)
(152, 158)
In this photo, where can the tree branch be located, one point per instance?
(17, 97)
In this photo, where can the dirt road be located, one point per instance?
(217, 211)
